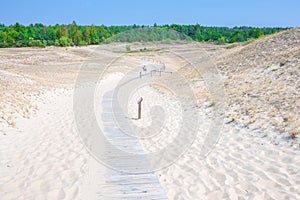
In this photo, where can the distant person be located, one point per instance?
(144, 68)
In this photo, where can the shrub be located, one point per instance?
(36, 43)
(128, 48)
(65, 41)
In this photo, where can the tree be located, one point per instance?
(38, 34)
(258, 33)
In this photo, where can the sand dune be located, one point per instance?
(43, 157)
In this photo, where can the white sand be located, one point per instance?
(42, 157)
(240, 166)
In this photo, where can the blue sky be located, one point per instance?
(259, 13)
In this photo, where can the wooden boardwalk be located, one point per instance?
(129, 174)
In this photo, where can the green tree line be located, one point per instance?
(40, 35)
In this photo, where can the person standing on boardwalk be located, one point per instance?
(144, 68)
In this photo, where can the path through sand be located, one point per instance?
(42, 157)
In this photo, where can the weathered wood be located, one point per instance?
(140, 108)
(119, 184)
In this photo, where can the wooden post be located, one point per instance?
(140, 111)
(140, 107)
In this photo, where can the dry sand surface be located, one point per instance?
(43, 157)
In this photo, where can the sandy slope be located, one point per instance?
(42, 156)
(240, 166)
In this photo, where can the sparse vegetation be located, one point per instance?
(266, 94)
(128, 48)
